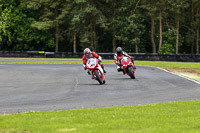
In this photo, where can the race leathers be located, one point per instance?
(117, 59)
(92, 54)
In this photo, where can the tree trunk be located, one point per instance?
(136, 48)
(56, 31)
(177, 33)
(135, 6)
(113, 43)
(197, 39)
(153, 33)
(197, 43)
(57, 37)
(191, 28)
(74, 43)
(95, 41)
(160, 20)
(167, 23)
(91, 37)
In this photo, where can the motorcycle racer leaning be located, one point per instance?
(118, 56)
(90, 54)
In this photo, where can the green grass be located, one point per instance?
(173, 117)
(170, 65)
(189, 75)
(166, 65)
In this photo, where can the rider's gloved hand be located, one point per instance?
(99, 59)
(118, 64)
(132, 59)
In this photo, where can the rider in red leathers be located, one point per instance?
(118, 56)
(89, 54)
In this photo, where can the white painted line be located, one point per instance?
(176, 74)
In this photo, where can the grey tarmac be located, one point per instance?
(50, 87)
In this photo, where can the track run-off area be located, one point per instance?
(48, 87)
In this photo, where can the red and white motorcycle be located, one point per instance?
(128, 66)
(96, 70)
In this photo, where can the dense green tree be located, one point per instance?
(130, 27)
(151, 9)
(16, 33)
(86, 19)
(52, 14)
(197, 24)
(167, 31)
(156, 26)
(110, 11)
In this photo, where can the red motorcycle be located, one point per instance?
(96, 70)
(128, 66)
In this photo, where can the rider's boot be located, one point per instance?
(103, 68)
(134, 64)
(123, 72)
(104, 71)
(120, 69)
(88, 73)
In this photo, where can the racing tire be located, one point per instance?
(131, 72)
(98, 78)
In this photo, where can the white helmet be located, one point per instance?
(87, 52)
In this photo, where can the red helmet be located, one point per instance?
(87, 52)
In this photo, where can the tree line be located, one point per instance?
(139, 26)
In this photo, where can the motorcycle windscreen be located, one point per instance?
(91, 63)
(125, 61)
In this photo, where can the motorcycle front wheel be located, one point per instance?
(99, 78)
(131, 72)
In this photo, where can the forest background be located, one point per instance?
(138, 26)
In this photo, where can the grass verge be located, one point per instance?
(171, 65)
(167, 117)
(187, 69)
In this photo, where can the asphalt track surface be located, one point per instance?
(48, 87)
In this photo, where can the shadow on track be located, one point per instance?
(92, 84)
